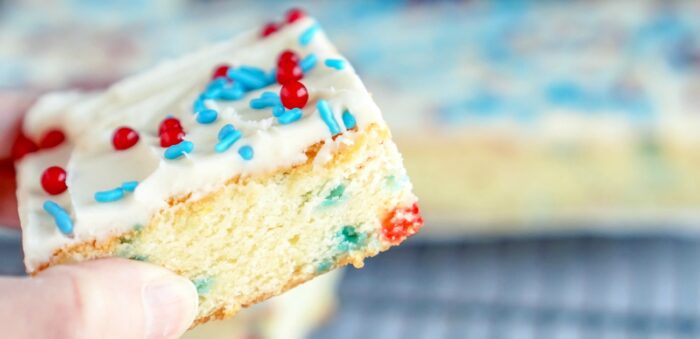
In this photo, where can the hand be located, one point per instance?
(108, 298)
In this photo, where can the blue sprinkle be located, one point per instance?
(110, 196)
(217, 83)
(246, 152)
(335, 63)
(247, 79)
(60, 217)
(227, 140)
(130, 186)
(176, 151)
(232, 93)
(272, 77)
(308, 63)
(207, 116)
(199, 105)
(290, 116)
(254, 71)
(308, 34)
(349, 120)
(278, 110)
(225, 130)
(212, 93)
(267, 99)
(327, 116)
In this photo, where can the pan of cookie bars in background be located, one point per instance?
(514, 117)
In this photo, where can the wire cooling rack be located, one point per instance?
(573, 287)
(564, 287)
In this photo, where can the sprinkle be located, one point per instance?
(246, 152)
(308, 34)
(199, 104)
(267, 99)
(327, 116)
(217, 83)
(226, 129)
(109, 196)
(308, 63)
(207, 116)
(349, 120)
(335, 63)
(234, 92)
(212, 93)
(290, 116)
(254, 71)
(178, 150)
(248, 79)
(278, 110)
(130, 186)
(227, 140)
(60, 217)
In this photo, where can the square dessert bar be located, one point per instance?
(249, 167)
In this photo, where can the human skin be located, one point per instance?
(108, 298)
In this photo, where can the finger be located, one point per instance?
(8, 200)
(109, 298)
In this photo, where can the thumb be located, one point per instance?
(108, 298)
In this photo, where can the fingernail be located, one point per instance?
(170, 306)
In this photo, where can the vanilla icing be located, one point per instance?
(142, 102)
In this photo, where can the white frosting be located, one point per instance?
(142, 102)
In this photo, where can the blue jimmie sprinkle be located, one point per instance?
(308, 34)
(290, 116)
(207, 116)
(267, 99)
(234, 92)
(217, 83)
(227, 140)
(254, 71)
(110, 196)
(60, 217)
(335, 63)
(228, 128)
(130, 186)
(272, 76)
(349, 120)
(248, 79)
(212, 93)
(308, 63)
(278, 110)
(176, 151)
(327, 116)
(199, 105)
(246, 152)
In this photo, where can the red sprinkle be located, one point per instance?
(170, 132)
(289, 72)
(269, 29)
(168, 124)
(287, 59)
(220, 71)
(52, 138)
(124, 138)
(22, 147)
(402, 223)
(171, 137)
(54, 180)
(294, 95)
(294, 14)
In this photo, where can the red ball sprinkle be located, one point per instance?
(289, 72)
(287, 59)
(269, 29)
(294, 95)
(402, 223)
(168, 124)
(294, 14)
(54, 180)
(52, 138)
(220, 71)
(171, 137)
(22, 147)
(124, 138)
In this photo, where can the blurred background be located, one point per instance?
(555, 147)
